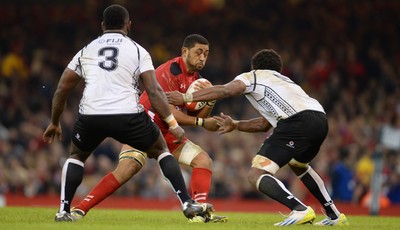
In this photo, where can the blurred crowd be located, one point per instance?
(346, 54)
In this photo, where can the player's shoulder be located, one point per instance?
(261, 74)
(175, 69)
(172, 66)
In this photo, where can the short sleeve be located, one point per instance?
(248, 80)
(146, 63)
(75, 65)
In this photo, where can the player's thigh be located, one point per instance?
(271, 158)
(87, 134)
(159, 147)
(139, 132)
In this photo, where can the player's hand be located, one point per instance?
(179, 133)
(202, 85)
(226, 123)
(175, 97)
(52, 132)
(211, 124)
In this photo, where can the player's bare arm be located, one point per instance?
(155, 93)
(160, 104)
(227, 124)
(68, 81)
(183, 119)
(216, 92)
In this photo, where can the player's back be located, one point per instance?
(111, 65)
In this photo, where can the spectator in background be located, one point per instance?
(14, 64)
(342, 178)
(390, 141)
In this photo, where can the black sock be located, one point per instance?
(315, 185)
(275, 189)
(73, 173)
(171, 170)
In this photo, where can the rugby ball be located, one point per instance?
(194, 106)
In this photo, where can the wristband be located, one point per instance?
(236, 124)
(200, 121)
(188, 97)
(174, 126)
(171, 121)
(211, 103)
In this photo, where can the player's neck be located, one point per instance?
(189, 70)
(115, 31)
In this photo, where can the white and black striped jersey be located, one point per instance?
(110, 66)
(275, 96)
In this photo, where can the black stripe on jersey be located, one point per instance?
(137, 48)
(80, 64)
(267, 106)
(79, 61)
(138, 54)
(255, 80)
(278, 101)
(136, 84)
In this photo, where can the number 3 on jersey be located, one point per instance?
(111, 61)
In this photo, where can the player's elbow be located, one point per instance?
(155, 90)
(226, 92)
(265, 124)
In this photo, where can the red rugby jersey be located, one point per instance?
(172, 75)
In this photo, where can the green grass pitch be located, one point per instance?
(33, 218)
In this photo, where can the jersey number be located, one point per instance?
(110, 54)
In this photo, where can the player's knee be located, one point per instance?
(189, 151)
(202, 160)
(264, 164)
(252, 176)
(297, 167)
(130, 162)
(78, 154)
(132, 158)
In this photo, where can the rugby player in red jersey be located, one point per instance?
(175, 74)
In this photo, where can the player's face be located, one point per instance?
(196, 57)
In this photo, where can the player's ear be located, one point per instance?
(128, 27)
(185, 50)
(103, 27)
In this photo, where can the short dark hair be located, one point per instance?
(115, 16)
(192, 39)
(267, 59)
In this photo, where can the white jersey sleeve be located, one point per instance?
(110, 66)
(74, 64)
(275, 96)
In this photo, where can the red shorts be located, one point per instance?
(169, 138)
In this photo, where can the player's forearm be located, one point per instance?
(213, 93)
(253, 125)
(58, 106)
(205, 112)
(159, 102)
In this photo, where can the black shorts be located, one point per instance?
(136, 130)
(298, 137)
